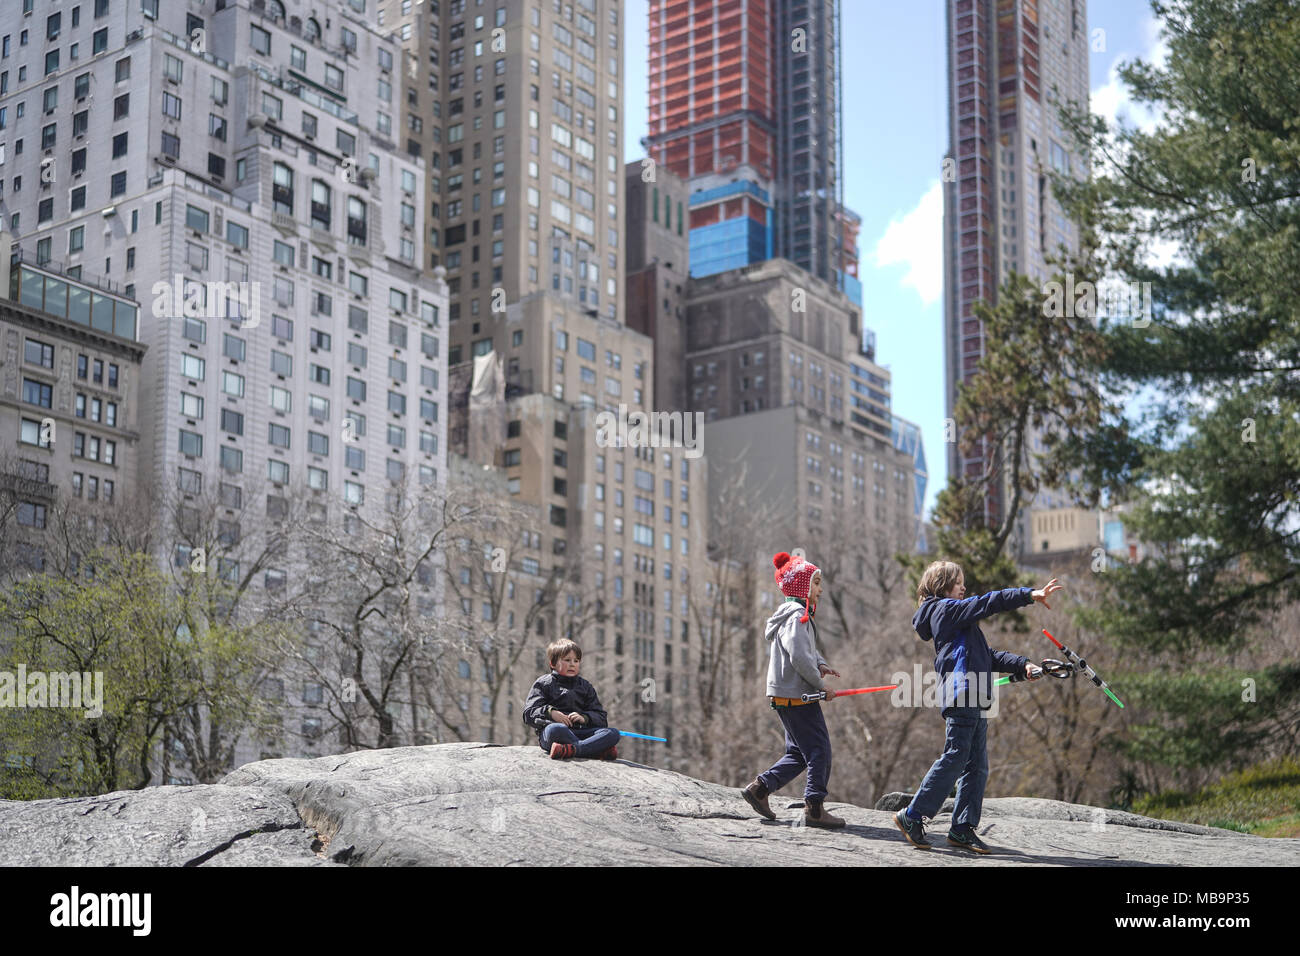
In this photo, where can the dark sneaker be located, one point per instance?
(914, 830)
(967, 839)
(610, 754)
(815, 815)
(563, 751)
(756, 796)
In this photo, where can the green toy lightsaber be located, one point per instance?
(1061, 669)
(1082, 665)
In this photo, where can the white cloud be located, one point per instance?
(915, 241)
(1111, 100)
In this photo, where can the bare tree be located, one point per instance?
(495, 607)
(498, 608)
(861, 576)
(374, 593)
(729, 728)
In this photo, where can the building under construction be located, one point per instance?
(745, 107)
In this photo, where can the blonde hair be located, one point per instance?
(937, 580)
(557, 649)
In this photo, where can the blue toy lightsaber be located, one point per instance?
(628, 733)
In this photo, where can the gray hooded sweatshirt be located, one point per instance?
(793, 661)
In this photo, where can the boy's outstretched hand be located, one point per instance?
(1050, 588)
(826, 670)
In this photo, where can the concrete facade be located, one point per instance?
(516, 109)
(658, 276)
(69, 408)
(800, 418)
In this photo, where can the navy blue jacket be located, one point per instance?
(960, 649)
(565, 694)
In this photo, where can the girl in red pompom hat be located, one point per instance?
(794, 669)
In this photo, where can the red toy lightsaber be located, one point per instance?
(821, 695)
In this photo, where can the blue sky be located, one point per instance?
(894, 138)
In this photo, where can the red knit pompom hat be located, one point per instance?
(794, 577)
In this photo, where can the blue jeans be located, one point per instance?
(964, 760)
(590, 741)
(807, 745)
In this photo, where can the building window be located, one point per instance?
(191, 444)
(31, 514)
(37, 393)
(320, 205)
(173, 68)
(196, 219)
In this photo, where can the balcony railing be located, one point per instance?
(27, 487)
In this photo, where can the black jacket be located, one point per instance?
(565, 694)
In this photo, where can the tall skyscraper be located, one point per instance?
(745, 107)
(515, 107)
(1010, 62)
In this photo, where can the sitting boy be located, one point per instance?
(565, 710)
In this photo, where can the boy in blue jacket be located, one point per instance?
(965, 663)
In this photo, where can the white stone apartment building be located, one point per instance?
(248, 196)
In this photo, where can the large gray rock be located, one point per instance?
(476, 804)
(159, 826)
